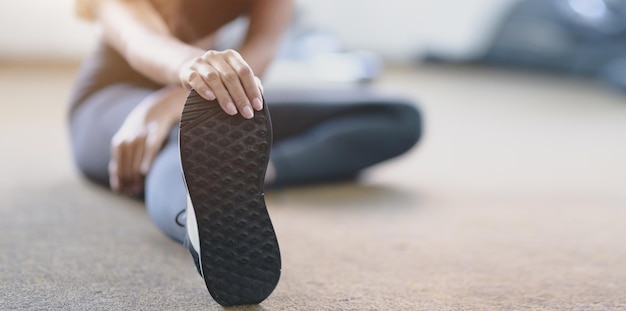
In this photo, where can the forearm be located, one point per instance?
(167, 103)
(258, 56)
(159, 58)
(268, 21)
(164, 105)
(135, 29)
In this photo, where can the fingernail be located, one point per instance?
(231, 109)
(210, 95)
(247, 112)
(257, 104)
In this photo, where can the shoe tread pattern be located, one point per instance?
(224, 159)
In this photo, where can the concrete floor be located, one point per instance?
(514, 200)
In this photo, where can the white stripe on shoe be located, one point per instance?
(192, 229)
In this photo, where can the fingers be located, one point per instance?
(124, 168)
(131, 159)
(213, 81)
(196, 80)
(114, 180)
(259, 84)
(247, 79)
(225, 76)
(136, 177)
(232, 89)
(116, 165)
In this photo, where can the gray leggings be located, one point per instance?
(319, 136)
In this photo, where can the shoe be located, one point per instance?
(230, 234)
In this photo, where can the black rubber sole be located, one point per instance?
(224, 159)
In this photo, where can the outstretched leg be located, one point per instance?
(92, 127)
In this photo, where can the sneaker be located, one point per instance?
(230, 234)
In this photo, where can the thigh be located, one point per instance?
(95, 121)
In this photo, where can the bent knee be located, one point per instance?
(93, 165)
(408, 125)
(90, 148)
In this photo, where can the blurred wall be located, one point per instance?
(47, 30)
(400, 29)
(42, 30)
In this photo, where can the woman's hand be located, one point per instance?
(227, 77)
(135, 145)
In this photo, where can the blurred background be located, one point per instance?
(583, 37)
(370, 26)
(514, 198)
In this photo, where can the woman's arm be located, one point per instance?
(137, 31)
(268, 21)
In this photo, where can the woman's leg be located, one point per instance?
(92, 127)
(329, 135)
(95, 121)
(319, 136)
(165, 191)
